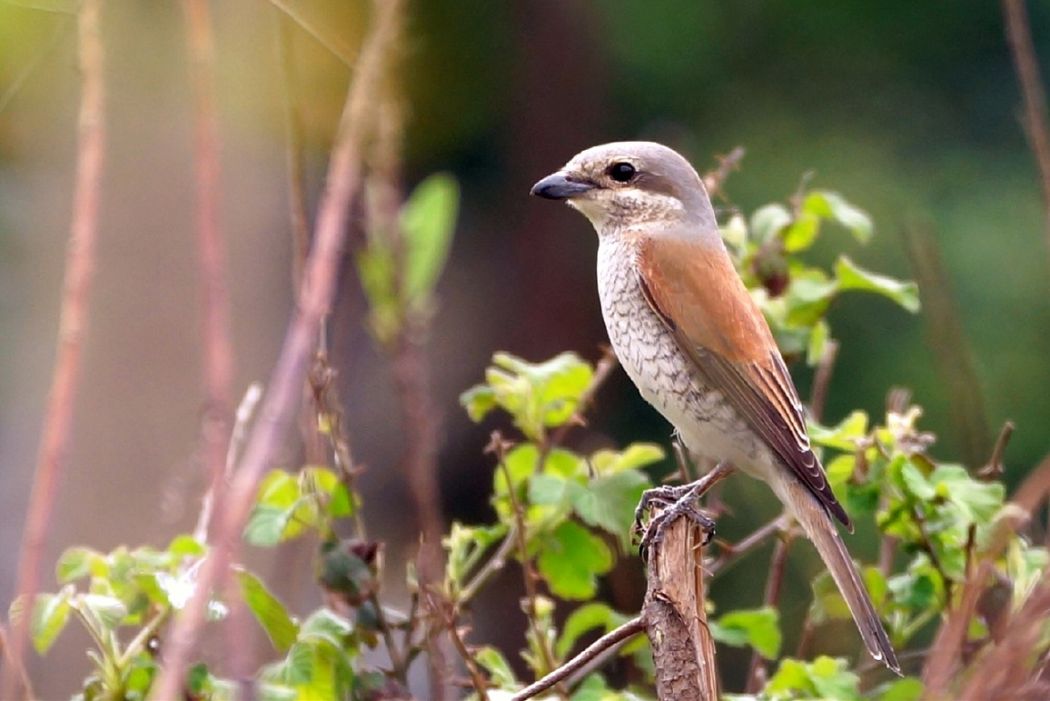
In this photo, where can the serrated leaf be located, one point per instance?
(50, 615)
(110, 611)
(268, 611)
(851, 276)
(75, 563)
(759, 628)
(826, 204)
(635, 456)
(583, 619)
(608, 502)
(571, 560)
(428, 220)
(979, 501)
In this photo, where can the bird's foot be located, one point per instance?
(675, 503)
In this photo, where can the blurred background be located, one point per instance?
(911, 110)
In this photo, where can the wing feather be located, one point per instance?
(695, 290)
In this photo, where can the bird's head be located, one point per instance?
(629, 185)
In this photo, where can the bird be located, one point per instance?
(695, 344)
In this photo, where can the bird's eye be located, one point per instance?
(622, 172)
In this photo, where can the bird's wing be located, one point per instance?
(693, 287)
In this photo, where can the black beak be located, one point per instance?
(559, 187)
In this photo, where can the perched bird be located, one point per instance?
(688, 334)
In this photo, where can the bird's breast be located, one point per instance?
(664, 376)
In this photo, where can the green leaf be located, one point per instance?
(768, 221)
(326, 625)
(186, 546)
(76, 563)
(831, 205)
(608, 502)
(851, 276)
(978, 501)
(570, 560)
(801, 233)
(583, 619)
(818, 341)
(50, 615)
(268, 611)
(377, 272)
(110, 611)
(828, 603)
(479, 400)
(759, 628)
(907, 689)
(428, 219)
(843, 436)
(635, 456)
(500, 672)
(267, 525)
(824, 678)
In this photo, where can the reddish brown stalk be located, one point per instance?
(211, 253)
(1019, 37)
(756, 676)
(282, 399)
(80, 266)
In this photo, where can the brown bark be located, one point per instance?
(683, 649)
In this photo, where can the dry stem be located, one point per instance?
(1019, 37)
(80, 265)
(608, 642)
(283, 396)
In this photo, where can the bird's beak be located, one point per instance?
(560, 186)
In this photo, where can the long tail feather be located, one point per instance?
(818, 525)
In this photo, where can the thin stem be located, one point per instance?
(734, 551)
(611, 640)
(756, 675)
(331, 41)
(493, 565)
(715, 179)
(822, 380)
(65, 381)
(476, 677)
(283, 396)
(1019, 37)
(139, 641)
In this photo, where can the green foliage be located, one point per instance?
(292, 504)
(794, 295)
(399, 281)
(758, 628)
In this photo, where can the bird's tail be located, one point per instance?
(821, 530)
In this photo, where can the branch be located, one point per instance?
(80, 266)
(1019, 37)
(610, 641)
(283, 396)
(676, 619)
(713, 180)
(329, 40)
(757, 672)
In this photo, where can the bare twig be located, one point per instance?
(757, 672)
(994, 468)
(947, 340)
(822, 380)
(245, 411)
(456, 634)
(1019, 37)
(283, 396)
(610, 641)
(734, 551)
(296, 171)
(80, 265)
(494, 564)
(211, 252)
(715, 179)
